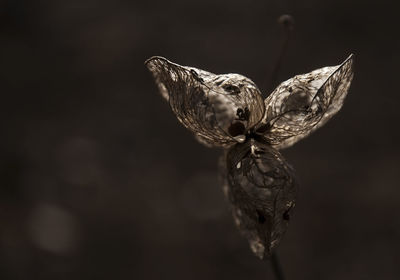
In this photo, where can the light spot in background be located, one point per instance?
(53, 229)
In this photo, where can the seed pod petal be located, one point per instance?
(261, 188)
(219, 109)
(304, 103)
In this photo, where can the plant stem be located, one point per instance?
(276, 267)
(287, 22)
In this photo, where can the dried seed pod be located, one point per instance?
(227, 110)
(261, 188)
(304, 103)
(219, 109)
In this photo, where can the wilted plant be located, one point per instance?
(228, 111)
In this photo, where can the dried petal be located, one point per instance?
(219, 109)
(304, 103)
(262, 190)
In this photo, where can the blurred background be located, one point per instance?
(100, 181)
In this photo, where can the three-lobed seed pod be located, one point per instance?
(228, 111)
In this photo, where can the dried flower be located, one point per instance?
(228, 111)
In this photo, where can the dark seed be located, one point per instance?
(237, 128)
(261, 218)
(231, 89)
(286, 215)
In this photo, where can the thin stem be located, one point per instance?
(276, 267)
(287, 22)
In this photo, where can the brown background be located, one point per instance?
(100, 181)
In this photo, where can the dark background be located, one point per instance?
(100, 181)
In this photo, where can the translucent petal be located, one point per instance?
(262, 190)
(218, 109)
(304, 103)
